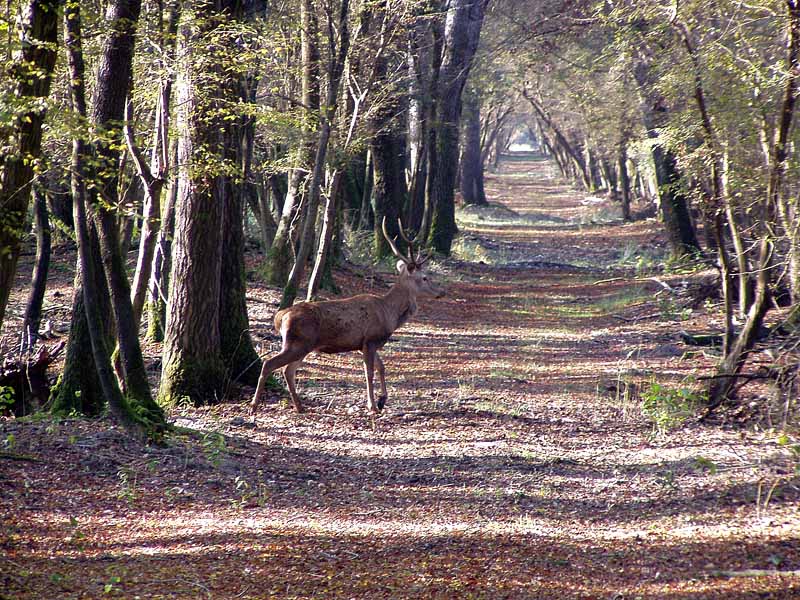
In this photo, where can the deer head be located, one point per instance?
(409, 266)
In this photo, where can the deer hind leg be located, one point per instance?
(284, 357)
(289, 372)
(382, 376)
(369, 355)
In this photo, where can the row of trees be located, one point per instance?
(693, 104)
(174, 123)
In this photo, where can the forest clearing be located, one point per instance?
(506, 464)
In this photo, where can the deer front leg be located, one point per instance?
(382, 376)
(369, 354)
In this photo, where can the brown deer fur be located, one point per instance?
(364, 323)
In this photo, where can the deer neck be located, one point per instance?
(401, 303)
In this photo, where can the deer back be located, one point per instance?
(337, 325)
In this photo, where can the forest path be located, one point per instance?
(510, 462)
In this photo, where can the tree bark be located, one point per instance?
(462, 33)
(31, 71)
(141, 420)
(114, 75)
(240, 357)
(731, 365)
(624, 180)
(472, 191)
(33, 308)
(674, 202)
(278, 262)
(193, 368)
(327, 115)
(324, 250)
(158, 286)
(153, 176)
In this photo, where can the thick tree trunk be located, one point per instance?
(389, 188)
(33, 308)
(193, 368)
(462, 33)
(472, 191)
(674, 204)
(114, 76)
(141, 419)
(31, 72)
(80, 388)
(672, 196)
(240, 357)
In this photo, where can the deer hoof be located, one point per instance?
(381, 402)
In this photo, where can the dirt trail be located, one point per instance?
(504, 466)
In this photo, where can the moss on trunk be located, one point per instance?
(194, 380)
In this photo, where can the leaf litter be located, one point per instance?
(513, 460)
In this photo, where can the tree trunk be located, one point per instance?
(141, 419)
(461, 35)
(733, 361)
(674, 204)
(335, 69)
(114, 75)
(153, 176)
(389, 188)
(240, 357)
(624, 181)
(33, 308)
(366, 218)
(158, 286)
(472, 191)
(278, 262)
(151, 215)
(31, 72)
(324, 250)
(193, 368)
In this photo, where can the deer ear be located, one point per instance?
(401, 266)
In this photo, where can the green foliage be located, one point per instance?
(668, 407)
(214, 447)
(671, 311)
(6, 398)
(127, 484)
(259, 493)
(704, 464)
(76, 536)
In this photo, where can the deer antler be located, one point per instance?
(408, 260)
(415, 259)
(407, 241)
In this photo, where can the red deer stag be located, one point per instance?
(364, 322)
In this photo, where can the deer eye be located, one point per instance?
(424, 279)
